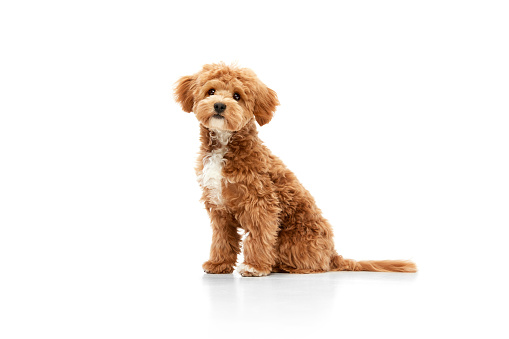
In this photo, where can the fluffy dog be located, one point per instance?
(246, 187)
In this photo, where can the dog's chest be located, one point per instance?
(211, 176)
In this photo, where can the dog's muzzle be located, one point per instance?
(219, 107)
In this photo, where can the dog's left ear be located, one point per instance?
(184, 92)
(265, 105)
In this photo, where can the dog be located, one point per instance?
(246, 187)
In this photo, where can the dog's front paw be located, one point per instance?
(217, 268)
(246, 270)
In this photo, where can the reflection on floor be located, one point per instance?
(291, 298)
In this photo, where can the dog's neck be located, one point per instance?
(220, 149)
(238, 142)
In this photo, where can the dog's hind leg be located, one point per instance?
(305, 249)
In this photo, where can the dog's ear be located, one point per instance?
(184, 92)
(265, 105)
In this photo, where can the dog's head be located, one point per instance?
(226, 97)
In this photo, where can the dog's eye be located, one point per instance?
(212, 91)
(236, 96)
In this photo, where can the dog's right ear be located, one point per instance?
(184, 88)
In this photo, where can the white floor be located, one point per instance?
(125, 295)
(394, 115)
(341, 304)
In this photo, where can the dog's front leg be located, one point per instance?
(259, 246)
(225, 242)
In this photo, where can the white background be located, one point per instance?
(394, 114)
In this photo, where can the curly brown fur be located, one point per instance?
(246, 187)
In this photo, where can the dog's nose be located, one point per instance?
(219, 107)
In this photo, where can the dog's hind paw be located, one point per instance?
(249, 271)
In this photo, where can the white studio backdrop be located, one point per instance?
(393, 114)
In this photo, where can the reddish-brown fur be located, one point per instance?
(286, 231)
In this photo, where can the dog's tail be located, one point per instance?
(340, 264)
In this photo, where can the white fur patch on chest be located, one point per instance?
(211, 176)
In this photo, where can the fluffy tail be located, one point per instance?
(341, 264)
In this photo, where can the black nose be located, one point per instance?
(219, 107)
